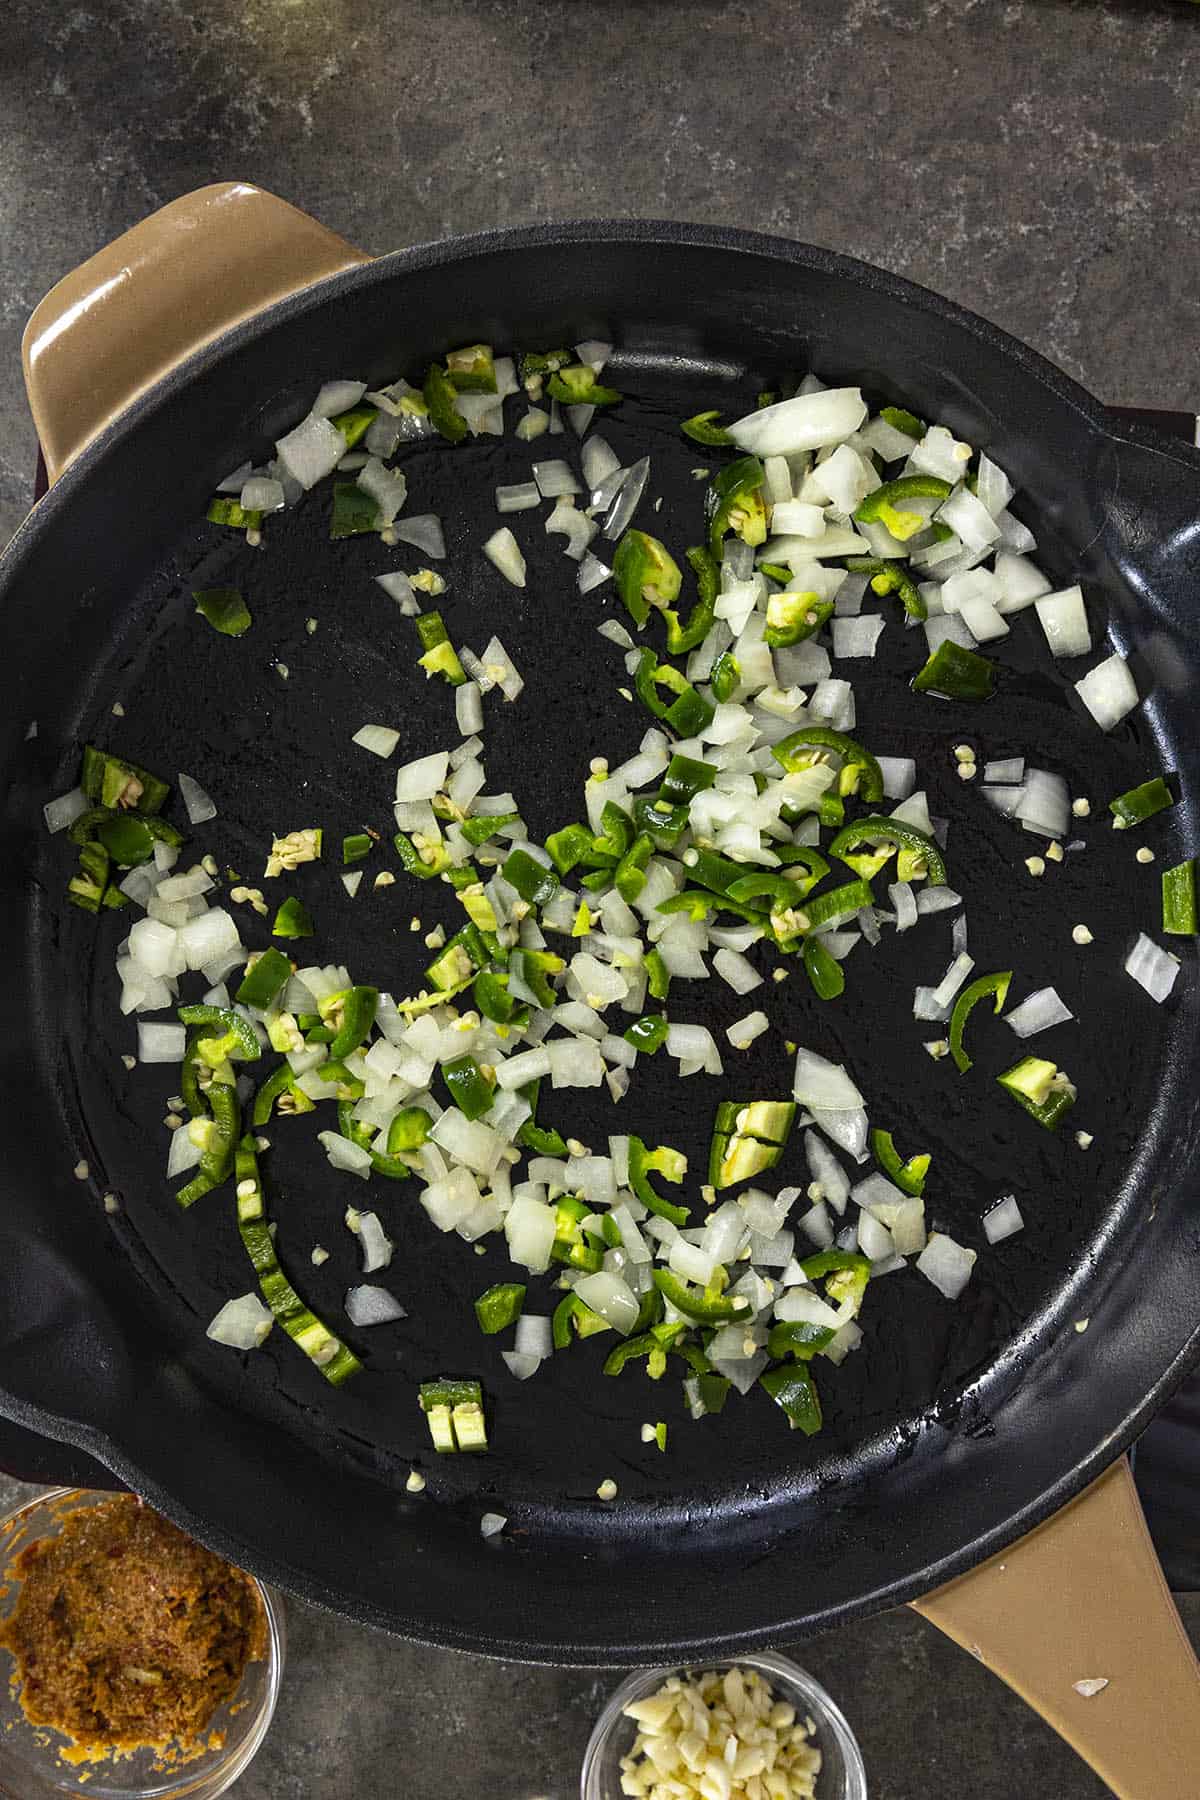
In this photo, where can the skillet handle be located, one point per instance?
(143, 304)
(1083, 1597)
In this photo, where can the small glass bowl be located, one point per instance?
(30, 1764)
(842, 1775)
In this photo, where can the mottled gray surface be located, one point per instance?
(1034, 159)
(364, 1717)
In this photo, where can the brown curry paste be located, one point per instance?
(127, 1634)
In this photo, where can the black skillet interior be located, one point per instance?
(955, 1425)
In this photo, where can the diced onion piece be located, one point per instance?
(343, 1154)
(937, 899)
(243, 1323)
(946, 1264)
(533, 1336)
(519, 497)
(468, 708)
(530, 1227)
(520, 1363)
(492, 1524)
(206, 939)
(424, 532)
(965, 514)
(858, 636)
(598, 460)
(1152, 967)
(1063, 618)
(822, 1085)
(628, 497)
(554, 478)
(904, 904)
(951, 981)
(371, 1305)
(743, 1032)
(421, 780)
(499, 666)
(64, 811)
(503, 551)
(380, 740)
(1108, 691)
(567, 521)
(1003, 1220)
(733, 968)
(808, 422)
(1020, 582)
(198, 805)
(1005, 769)
(398, 587)
(161, 1043)
(1037, 1013)
(376, 1245)
(592, 574)
(337, 397)
(611, 1297)
(899, 776)
(312, 451)
(1044, 805)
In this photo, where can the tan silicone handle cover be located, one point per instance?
(131, 313)
(1082, 1598)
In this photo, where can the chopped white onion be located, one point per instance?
(312, 451)
(741, 975)
(197, 804)
(503, 551)
(243, 1323)
(808, 422)
(520, 497)
(371, 1305)
(626, 503)
(1108, 691)
(554, 478)
(946, 1264)
(520, 1364)
(598, 460)
(492, 1524)
(611, 1297)
(64, 811)
(344, 1154)
(899, 776)
(822, 1085)
(1037, 1013)
(1063, 618)
(533, 1337)
(1003, 1220)
(161, 1043)
(858, 636)
(422, 779)
(380, 740)
(424, 532)
(1152, 967)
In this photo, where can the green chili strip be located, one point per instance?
(668, 1163)
(860, 773)
(111, 781)
(472, 370)
(577, 385)
(956, 674)
(793, 617)
(702, 428)
(500, 1307)
(355, 423)
(908, 1176)
(799, 1339)
(646, 575)
(828, 910)
(647, 1034)
(823, 970)
(293, 920)
(453, 1409)
(888, 577)
(792, 1388)
(734, 502)
(439, 397)
(276, 1085)
(658, 976)
(322, 1348)
(229, 1024)
(900, 420)
(569, 846)
(1140, 803)
(688, 713)
(535, 883)
(970, 997)
(1041, 1088)
(224, 510)
(1179, 899)
(264, 979)
(883, 505)
(439, 655)
(725, 677)
(466, 1086)
(879, 829)
(703, 1305)
(682, 638)
(220, 1142)
(225, 610)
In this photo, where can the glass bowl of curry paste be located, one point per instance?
(139, 1663)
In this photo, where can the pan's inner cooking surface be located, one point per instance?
(276, 755)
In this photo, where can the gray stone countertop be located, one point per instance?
(1033, 159)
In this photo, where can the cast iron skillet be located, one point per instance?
(956, 1428)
